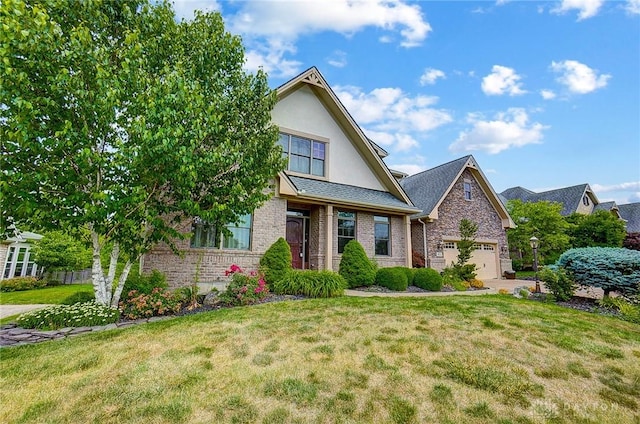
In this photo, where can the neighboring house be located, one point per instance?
(447, 194)
(15, 255)
(336, 189)
(631, 213)
(575, 199)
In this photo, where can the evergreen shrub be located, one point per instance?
(276, 261)
(410, 273)
(392, 278)
(558, 282)
(355, 267)
(428, 279)
(610, 268)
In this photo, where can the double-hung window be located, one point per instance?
(467, 190)
(209, 235)
(382, 234)
(346, 229)
(304, 155)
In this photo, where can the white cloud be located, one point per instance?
(502, 80)
(631, 186)
(547, 94)
(390, 117)
(430, 76)
(270, 57)
(507, 129)
(578, 77)
(263, 24)
(185, 9)
(338, 59)
(633, 7)
(587, 8)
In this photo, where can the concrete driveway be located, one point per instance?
(9, 310)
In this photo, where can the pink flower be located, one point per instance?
(232, 270)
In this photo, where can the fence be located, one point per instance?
(72, 277)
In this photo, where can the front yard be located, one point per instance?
(456, 359)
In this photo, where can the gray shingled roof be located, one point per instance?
(426, 188)
(348, 193)
(605, 206)
(569, 197)
(631, 213)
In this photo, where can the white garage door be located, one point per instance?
(484, 256)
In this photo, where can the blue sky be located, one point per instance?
(543, 94)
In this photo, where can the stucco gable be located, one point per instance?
(368, 156)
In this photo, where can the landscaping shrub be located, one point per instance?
(311, 283)
(144, 283)
(428, 279)
(558, 282)
(244, 289)
(450, 276)
(612, 269)
(21, 284)
(476, 284)
(79, 297)
(355, 267)
(417, 259)
(276, 261)
(410, 273)
(392, 278)
(141, 305)
(60, 316)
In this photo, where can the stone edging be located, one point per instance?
(12, 335)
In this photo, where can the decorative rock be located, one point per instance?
(517, 290)
(210, 298)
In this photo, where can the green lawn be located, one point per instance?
(46, 295)
(347, 360)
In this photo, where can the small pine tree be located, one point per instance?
(276, 261)
(356, 267)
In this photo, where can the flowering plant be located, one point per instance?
(140, 305)
(77, 315)
(244, 289)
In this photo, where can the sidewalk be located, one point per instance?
(9, 310)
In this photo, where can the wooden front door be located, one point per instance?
(295, 238)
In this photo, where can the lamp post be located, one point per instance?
(533, 241)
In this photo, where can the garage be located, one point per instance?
(485, 257)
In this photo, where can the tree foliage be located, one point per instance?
(612, 269)
(600, 229)
(632, 241)
(59, 251)
(542, 220)
(468, 231)
(119, 119)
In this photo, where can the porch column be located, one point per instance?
(407, 222)
(328, 262)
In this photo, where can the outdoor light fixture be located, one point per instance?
(534, 242)
(439, 245)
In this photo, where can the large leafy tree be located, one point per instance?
(118, 119)
(600, 229)
(542, 220)
(59, 251)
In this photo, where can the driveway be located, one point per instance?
(9, 310)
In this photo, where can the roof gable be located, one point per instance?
(630, 212)
(429, 188)
(367, 150)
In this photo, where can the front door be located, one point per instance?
(295, 238)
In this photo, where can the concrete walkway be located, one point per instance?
(9, 310)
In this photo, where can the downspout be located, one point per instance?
(424, 242)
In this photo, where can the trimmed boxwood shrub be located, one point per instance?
(355, 267)
(276, 261)
(612, 269)
(409, 272)
(392, 278)
(428, 279)
(311, 283)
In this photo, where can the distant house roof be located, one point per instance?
(569, 197)
(631, 213)
(428, 189)
(348, 194)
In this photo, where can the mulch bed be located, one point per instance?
(206, 308)
(586, 304)
(410, 289)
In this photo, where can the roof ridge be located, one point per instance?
(439, 166)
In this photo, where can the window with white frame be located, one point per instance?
(304, 155)
(382, 234)
(205, 235)
(448, 245)
(346, 229)
(19, 262)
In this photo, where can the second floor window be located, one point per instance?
(304, 155)
(467, 191)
